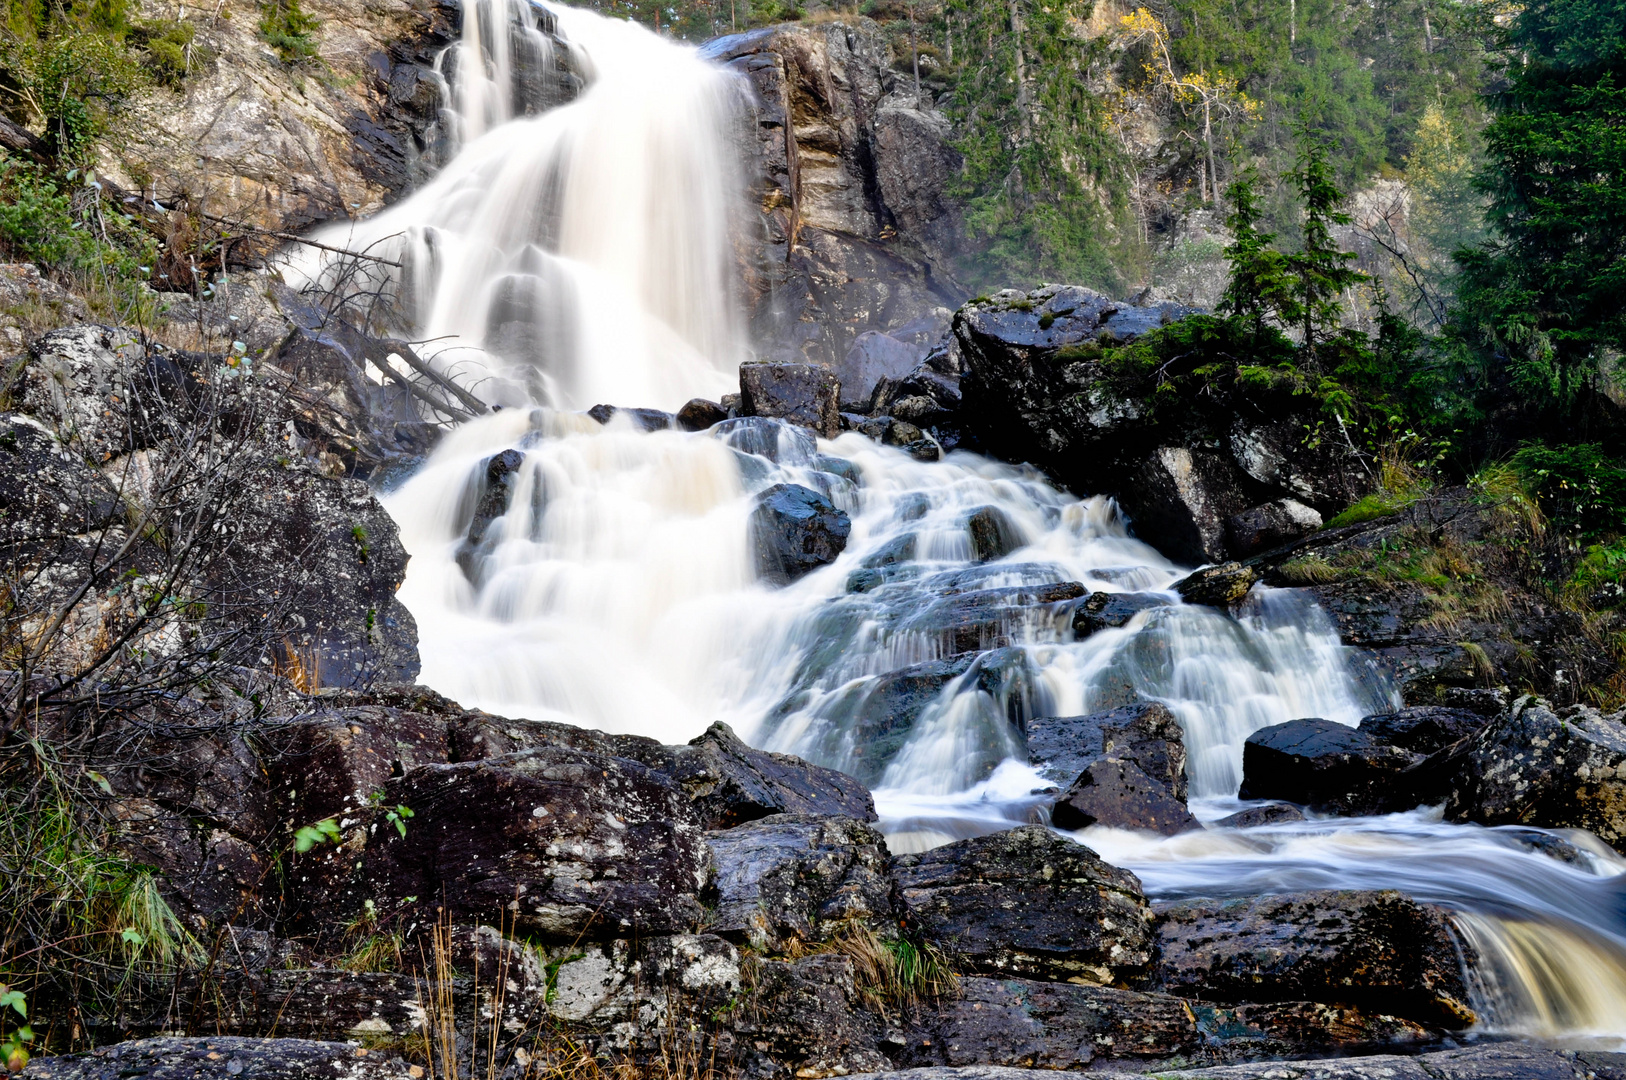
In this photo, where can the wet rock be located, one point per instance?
(1327, 475)
(731, 783)
(642, 419)
(984, 618)
(874, 356)
(611, 990)
(1328, 767)
(206, 872)
(993, 534)
(1030, 903)
(1423, 729)
(804, 394)
(1109, 611)
(806, 1018)
(777, 440)
(1179, 501)
(1118, 792)
(1223, 586)
(1124, 768)
(1376, 950)
(795, 530)
(336, 764)
(501, 476)
(700, 414)
(1262, 528)
(221, 1057)
(1255, 816)
(1535, 765)
(1045, 1025)
(1009, 1026)
(572, 844)
(784, 877)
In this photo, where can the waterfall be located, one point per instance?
(604, 578)
(572, 256)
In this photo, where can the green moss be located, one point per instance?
(1371, 507)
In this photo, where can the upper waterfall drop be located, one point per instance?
(577, 255)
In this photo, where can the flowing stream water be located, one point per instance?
(584, 253)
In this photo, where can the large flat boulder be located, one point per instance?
(1031, 904)
(805, 394)
(1380, 951)
(794, 531)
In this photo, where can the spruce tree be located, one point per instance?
(1260, 287)
(1321, 269)
(1546, 297)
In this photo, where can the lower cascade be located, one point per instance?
(619, 576)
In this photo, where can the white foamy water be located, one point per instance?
(583, 254)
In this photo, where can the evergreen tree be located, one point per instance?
(1321, 269)
(1547, 295)
(1260, 286)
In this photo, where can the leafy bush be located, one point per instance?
(1581, 487)
(172, 51)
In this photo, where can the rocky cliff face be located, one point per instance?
(850, 172)
(257, 141)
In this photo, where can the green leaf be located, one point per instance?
(133, 937)
(16, 1000)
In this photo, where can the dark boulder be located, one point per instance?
(1424, 729)
(1223, 586)
(496, 495)
(1255, 816)
(1125, 768)
(805, 394)
(785, 877)
(1376, 950)
(1109, 611)
(574, 845)
(1271, 525)
(727, 782)
(993, 534)
(1030, 903)
(700, 414)
(872, 357)
(1326, 766)
(642, 419)
(794, 531)
(1555, 769)
(1020, 1025)
(1116, 791)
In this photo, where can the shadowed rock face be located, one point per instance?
(1377, 950)
(850, 172)
(1030, 903)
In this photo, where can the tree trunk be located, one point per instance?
(1292, 22)
(1208, 139)
(1021, 72)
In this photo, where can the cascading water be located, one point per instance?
(583, 255)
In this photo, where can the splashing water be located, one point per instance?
(583, 254)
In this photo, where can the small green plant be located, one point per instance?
(14, 1048)
(309, 836)
(397, 816)
(286, 28)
